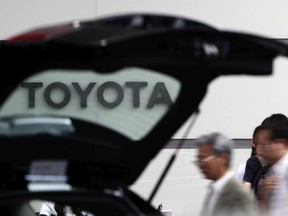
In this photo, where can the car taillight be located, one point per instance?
(44, 33)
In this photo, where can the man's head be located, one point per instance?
(272, 145)
(276, 120)
(214, 154)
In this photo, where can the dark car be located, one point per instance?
(86, 106)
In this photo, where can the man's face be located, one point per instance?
(270, 150)
(209, 164)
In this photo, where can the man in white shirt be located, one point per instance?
(274, 188)
(227, 195)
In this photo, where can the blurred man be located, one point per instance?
(273, 189)
(227, 196)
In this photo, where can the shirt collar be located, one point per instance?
(219, 184)
(281, 164)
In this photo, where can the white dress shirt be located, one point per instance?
(278, 205)
(239, 174)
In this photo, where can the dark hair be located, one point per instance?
(278, 120)
(275, 132)
(256, 130)
(279, 133)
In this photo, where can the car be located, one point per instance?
(87, 105)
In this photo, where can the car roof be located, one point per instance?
(159, 66)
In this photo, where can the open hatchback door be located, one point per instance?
(87, 105)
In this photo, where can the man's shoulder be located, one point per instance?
(236, 192)
(234, 183)
(235, 186)
(253, 159)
